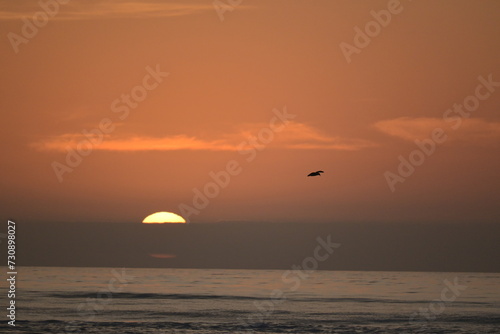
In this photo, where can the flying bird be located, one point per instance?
(317, 173)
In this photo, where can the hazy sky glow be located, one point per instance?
(113, 110)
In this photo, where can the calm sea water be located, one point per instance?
(115, 300)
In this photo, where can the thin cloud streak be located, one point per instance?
(102, 9)
(410, 129)
(294, 136)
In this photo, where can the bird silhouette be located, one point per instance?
(317, 173)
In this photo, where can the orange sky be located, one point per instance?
(203, 87)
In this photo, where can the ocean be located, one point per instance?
(141, 300)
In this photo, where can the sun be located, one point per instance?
(164, 218)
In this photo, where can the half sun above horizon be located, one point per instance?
(164, 218)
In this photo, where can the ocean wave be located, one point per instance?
(129, 295)
(177, 296)
(474, 325)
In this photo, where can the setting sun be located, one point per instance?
(163, 218)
